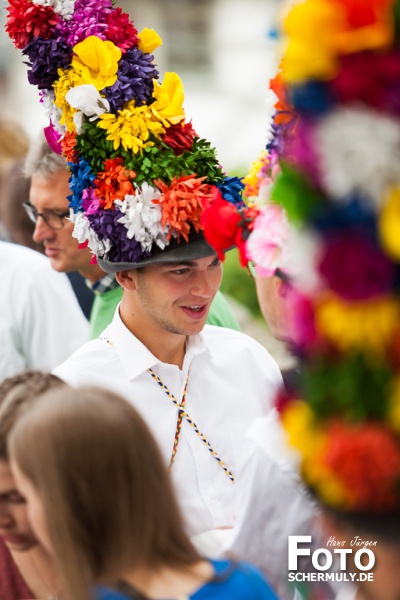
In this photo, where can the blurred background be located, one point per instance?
(225, 52)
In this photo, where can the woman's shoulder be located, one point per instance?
(235, 580)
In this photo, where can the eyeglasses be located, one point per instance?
(52, 219)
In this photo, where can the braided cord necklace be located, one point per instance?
(182, 414)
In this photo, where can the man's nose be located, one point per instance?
(42, 230)
(202, 286)
(5, 517)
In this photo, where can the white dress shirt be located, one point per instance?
(41, 322)
(232, 380)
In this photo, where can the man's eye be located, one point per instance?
(215, 263)
(180, 271)
(15, 498)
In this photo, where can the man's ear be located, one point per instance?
(127, 279)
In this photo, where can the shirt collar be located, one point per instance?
(135, 357)
(104, 284)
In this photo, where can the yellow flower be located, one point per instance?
(67, 80)
(366, 325)
(169, 96)
(149, 40)
(253, 178)
(389, 225)
(131, 127)
(96, 61)
(311, 28)
(319, 32)
(394, 407)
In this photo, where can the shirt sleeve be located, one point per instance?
(52, 325)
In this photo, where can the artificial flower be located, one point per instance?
(46, 56)
(168, 104)
(294, 193)
(180, 137)
(131, 127)
(181, 204)
(87, 101)
(82, 177)
(106, 224)
(135, 76)
(389, 224)
(258, 173)
(67, 80)
(27, 20)
(267, 245)
(96, 61)
(358, 152)
(393, 416)
(149, 40)
(52, 112)
(114, 183)
(85, 235)
(354, 267)
(64, 8)
(52, 138)
(224, 225)
(366, 458)
(120, 30)
(89, 18)
(231, 190)
(68, 146)
(366, 326)
(142, 217)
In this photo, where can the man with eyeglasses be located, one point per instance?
(48, 209)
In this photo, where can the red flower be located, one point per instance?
(180, 137)
(223, 226)
(182, 204)
(366, 458)
(114, 183)
(121, 31)
(362, 13)
(26, 20)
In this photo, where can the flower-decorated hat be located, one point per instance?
(333, 165)
(140, 174)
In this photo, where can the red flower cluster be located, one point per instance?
(182, 203)
(27, 20)
(180, 137)
(68, 144)
(366, 458)
(363, 13)
(225, 225)
(114, 183)
(121, 31)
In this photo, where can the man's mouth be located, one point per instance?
(196, 311)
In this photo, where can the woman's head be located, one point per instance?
(98, 493)
(16, 394)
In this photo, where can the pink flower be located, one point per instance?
(267, 244)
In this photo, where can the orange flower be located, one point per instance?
(68, 144)
(114, 183)
(366, 459)
(182, 204)
(284, 110)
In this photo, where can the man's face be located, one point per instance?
(14, 524)
(177, 298)
(62, 249)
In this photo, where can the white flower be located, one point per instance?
(64, 8)
(52, 112)
(87, 100)
(84, 233)
(142, 217)
(359, 153)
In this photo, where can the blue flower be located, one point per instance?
(231, 190)
(82, 178)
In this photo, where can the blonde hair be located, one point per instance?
(14, 142)
(104, 487)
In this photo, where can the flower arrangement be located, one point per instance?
(330, 179)
(338, 183)
(140, 174)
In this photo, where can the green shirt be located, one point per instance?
(105, 303)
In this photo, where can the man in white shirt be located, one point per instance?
(158, 353)
(41, 322)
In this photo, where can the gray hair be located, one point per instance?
(42, 160)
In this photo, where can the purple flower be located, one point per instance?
(355, 268)
(105, 224)
(136, 72)
(89, 18)
(45, 57)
